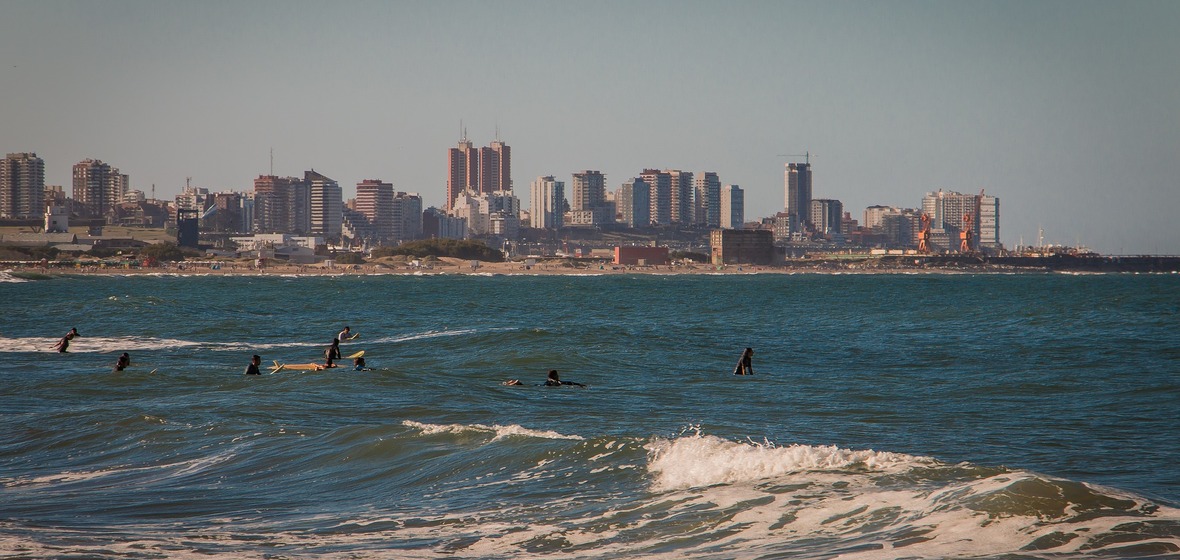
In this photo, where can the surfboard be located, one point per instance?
(355, 355)
(298, 367)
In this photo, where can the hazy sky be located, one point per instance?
(1068, 111)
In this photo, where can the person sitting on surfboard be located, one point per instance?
(346, 334)
(554, 381)
(65, 340)
(124, 362)
(332, 353)
(745, 365)
(252, 369)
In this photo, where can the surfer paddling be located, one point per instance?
(555, 381)
(64, 343)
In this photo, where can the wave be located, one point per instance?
(498, 432)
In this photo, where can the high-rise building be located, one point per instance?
(98, 186)
(633, 203)
(707, 200)
(374, 201)
(327, 205)
(406, 216)
(546, 205)
(660, 183)
(483, 170)
(681, 196)
(827, 216)
(733, 207)
(281, 205)
(589, 190)
(989, 222)
(22, 186)
(797, 181)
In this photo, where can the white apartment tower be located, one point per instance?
(546, 203)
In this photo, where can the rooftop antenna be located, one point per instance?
(153, 191)
(272, 161)
(497, 132)
(188, 184)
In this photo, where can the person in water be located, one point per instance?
(345, 334)
(358, 364)
(64, 343)
(555, 381)
(252, 369)
(745, 364)
(124, 362)
(332, 353)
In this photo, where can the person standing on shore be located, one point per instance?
(745, 364)
(64, 343)
(252, 369)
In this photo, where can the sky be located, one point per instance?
(1067, 111)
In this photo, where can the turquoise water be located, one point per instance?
(922, 416)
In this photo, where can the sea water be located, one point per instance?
(916, 416)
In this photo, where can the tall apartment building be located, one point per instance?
(660, 183)
(681, 196)
(875, 215)
(633, 203)
(989, 222)
(733, 207)
(99, 187)
(406, 216)
(707, 200)
(797, 183)
(22, 186)
(547, 202)
(827, 216)
(282, 205)
(374, 201)
(589, 190)
(483, 170)
(327, 205)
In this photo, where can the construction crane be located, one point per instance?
(805, 155)
(924, 235)
(965, 235)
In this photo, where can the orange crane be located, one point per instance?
(924, 235)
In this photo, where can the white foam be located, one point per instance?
(692, 461)
(499, 431)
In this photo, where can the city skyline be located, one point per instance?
(1069, 112)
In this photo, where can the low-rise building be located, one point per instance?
(641, 255)
(742, 246)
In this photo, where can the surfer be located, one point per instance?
(555, 381)
(346, 334)
(332, 353)
(358, 364)
(252, 369)
(65, 340)
(745, 365)
(124, 362)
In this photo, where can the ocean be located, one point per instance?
(998, 416)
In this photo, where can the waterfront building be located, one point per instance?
(640, 256)
(326, 211)
(707, 200)
(281, 205)
(827, 216)
(374, 201)
(546, 205)
(22, 186)
(742, 246)
(797, 182)
(406, 217)
(660, 185)
(949, 212)
(633, 203)
(588, 190)
(98, 187)
(733, 207)
(681, 196)
(989, 223)
(483, 170)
